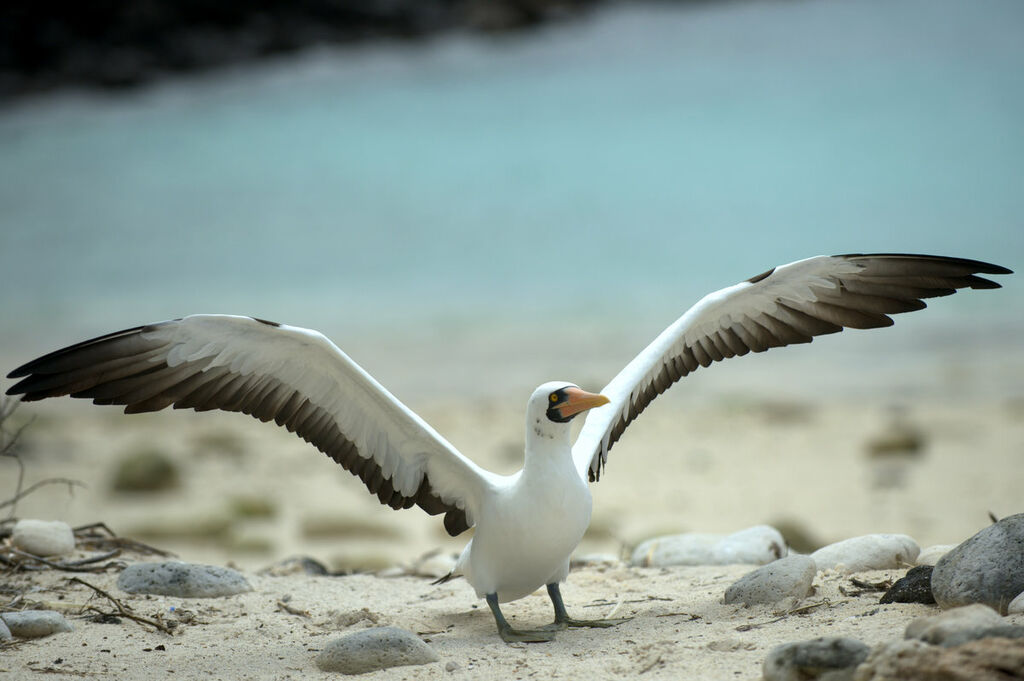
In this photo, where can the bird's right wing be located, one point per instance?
(293, 376)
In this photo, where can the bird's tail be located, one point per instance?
(447, 578)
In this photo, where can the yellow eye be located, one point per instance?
(553, 397)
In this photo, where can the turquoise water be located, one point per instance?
(615, 167)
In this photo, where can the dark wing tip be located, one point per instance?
(975, 265)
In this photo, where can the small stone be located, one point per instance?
(787, 577)
(868, 552)
(1016, 606)
(184, 580)
(931, 555)
(987, 568)
(935, 629)
(914, 587)
(35, 623)
(43, 537)
(833, 659)
(5, 633)
(990, 659)
(451, 666)
(373, 649)
(757, 545)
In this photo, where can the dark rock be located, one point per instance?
(987, 568)
(373, 649)
(833, 659)
(914, 587)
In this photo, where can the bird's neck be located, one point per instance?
(547, 447)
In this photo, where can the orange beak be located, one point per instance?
(580, 400)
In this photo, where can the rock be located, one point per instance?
(296, 565)
(931, 555)
(1016, 606)
(914, 587)
(990, 659)
(34, 623)
(43, 537)
(5, 633)
(787, 577)
(184, 580)
(828, 659)
(755, 545)
(868, 552)
(937, 628)
(987, 568)
(373, 649)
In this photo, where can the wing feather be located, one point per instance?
(786, 305)
(292, 376)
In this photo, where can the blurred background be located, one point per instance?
(474, 197)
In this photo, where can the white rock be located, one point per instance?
(1016, 606)
(787, 577)
(43, 537)
(868, 552)
(937, 628)
(931, 555)
(756, 545)
(373, 649)
(35, 623)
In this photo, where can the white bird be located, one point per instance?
(527, 524)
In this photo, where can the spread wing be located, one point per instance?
(295, 377)
(785, 305)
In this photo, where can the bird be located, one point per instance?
(526, 524)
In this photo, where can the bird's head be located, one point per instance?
(559, 402)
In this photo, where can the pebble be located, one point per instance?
(990, 659)
(834, 659)
(987, 568)
(184, 580)
(868, 552)
(373, 649)
(914, 587)
(931, 555)
(34, 623)
(936, 629)
(1016, 606)
(787, 577)
(5, 633)
(756, 545)
(43, 537)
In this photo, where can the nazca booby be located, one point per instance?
(527, 524)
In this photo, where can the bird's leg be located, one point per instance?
(510, 635)
(562, 619)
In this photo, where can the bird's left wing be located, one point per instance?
(293, 376)
(785, 305)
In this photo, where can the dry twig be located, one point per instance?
(123, 610)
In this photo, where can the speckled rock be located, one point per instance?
(1016, 606)
(828, 659)
(935, 629)
(788, 577)
(868, 552)
(990, 659)
(184, 580)
(757, 545)
(373, 649)
(43, 537)
(987, 568)
(35, 623)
